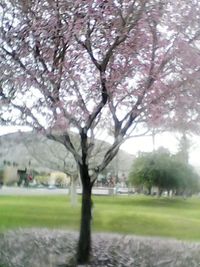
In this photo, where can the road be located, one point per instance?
(5, 190)
(32, 191)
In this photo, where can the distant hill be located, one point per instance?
(27, 149)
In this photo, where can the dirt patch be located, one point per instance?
(53, 248)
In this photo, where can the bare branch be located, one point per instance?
(66, 141)
(104, 98)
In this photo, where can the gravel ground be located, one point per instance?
(53, 248)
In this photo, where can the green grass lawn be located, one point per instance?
(138, 215)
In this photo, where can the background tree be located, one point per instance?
(142, 172)
(183, 149)
(77, 65)
(55, 157)
(162, 170)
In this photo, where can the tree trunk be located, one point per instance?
(84, 244)
(160, 191)
(168, 192)
(73, 194)
(149, 190)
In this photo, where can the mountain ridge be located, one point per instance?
(28, 149)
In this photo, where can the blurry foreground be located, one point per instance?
(39, 248)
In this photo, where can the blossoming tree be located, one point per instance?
(82, 65)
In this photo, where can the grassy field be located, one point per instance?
(138, 215)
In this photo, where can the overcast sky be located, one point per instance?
(167, 140)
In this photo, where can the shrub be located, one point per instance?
(42, 179)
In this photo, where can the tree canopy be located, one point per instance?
(165, 171)
(74, 64)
